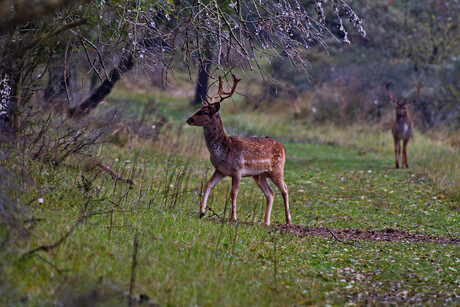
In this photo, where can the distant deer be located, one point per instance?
(237, 157)
(402, 125)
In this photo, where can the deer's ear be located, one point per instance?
(215, 107)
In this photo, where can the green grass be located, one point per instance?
(432, 158)
(182, 260)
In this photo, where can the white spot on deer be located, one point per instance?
(405, 128)
(255, 167)
(266, 161)
(252, 172)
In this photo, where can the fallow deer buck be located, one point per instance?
(402, 125)
(236, 157)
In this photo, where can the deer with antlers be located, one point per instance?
(236, 157)
(402, 125)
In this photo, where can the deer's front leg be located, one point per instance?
(405, 163)
(397, 151)
(216, 177)
(235, 183)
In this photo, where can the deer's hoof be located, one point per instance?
(201, 215)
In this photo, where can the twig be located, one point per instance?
(117, 205)
(347, 243)
(115, 175)
(275, 260)
(111, 225)
(33, 220)
(116, 226)
(455, 240)
(133, 270)
(213, 212)
(233, 246)
(93, 68)
(221, 229)
(64, 27)
(59, 271)
(47, 248)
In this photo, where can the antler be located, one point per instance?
(418, 94)
(389, 93)
(229, 94)
(221, 92)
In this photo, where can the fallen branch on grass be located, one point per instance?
(109, 170)
(47, 248)
(347, 243)
(454, 240)
(214, 213)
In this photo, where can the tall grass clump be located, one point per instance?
(439, 162)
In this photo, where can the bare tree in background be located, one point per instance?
(115, 36)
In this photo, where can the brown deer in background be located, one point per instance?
(236, 157)
(402, 125)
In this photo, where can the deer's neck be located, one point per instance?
(402, 118)
(214, 136)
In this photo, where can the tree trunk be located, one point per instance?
(126, 63)
(201, 89)
(55, 89)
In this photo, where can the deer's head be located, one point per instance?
(209, 112)
(401, 106)
(204, 116)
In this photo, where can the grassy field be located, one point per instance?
(100, 240)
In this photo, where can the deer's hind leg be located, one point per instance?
(262, 182)
(279, 182)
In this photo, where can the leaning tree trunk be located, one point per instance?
(201, 89)
(126, 63)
